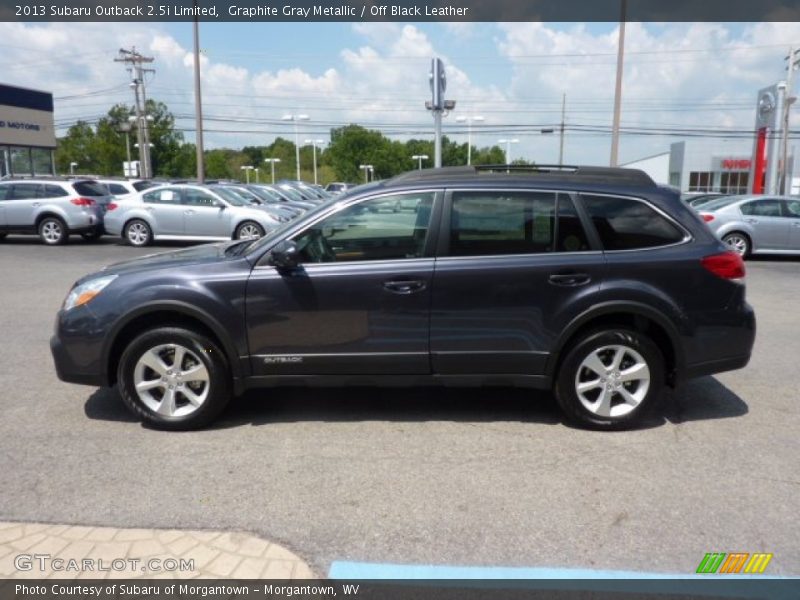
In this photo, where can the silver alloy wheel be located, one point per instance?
(171, 380)
(138, 234)
(52, 232)
(249, 231)
(737, 243)
(612, 381)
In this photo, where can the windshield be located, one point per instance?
(231, 196)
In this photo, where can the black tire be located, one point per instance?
(243, 226)
(53, 231)
(198, 346)
(739, 242)
(137, 233)
(91, 237)
(3, 236)
(571, 372)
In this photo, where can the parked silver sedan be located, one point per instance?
(185, 212)
(756, 224)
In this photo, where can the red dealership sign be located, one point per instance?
(736, 164)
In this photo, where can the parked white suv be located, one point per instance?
(52, 208)
(119, 188)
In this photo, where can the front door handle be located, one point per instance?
(36, 204)
(188, 212)
(569, 279)
(752, 220)
(404, 286)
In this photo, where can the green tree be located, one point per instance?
(79, 146)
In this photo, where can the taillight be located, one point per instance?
(707, 217)
(82, 201)
(112, 206)
(727, 265)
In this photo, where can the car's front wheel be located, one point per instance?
(174, 378)
(138, 233)
(610, 379)
(248, 231)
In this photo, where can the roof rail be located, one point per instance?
(609, 175)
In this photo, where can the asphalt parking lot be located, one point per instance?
(446, 477)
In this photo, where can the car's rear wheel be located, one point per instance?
(174, 378)
(138, 233)
(248, 230)
(738, 242)
(53, 231)
(610, 379)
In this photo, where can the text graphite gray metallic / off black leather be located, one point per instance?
(594, 283)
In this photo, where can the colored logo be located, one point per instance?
(734, 563)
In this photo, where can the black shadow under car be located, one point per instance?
(594, 283)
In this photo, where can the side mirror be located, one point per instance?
(285, 256)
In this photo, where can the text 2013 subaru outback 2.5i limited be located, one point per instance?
(592, 282)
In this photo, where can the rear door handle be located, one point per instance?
(188, 212)
(752, 220)
(569, 279)
(404, 286)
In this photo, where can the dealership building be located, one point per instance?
(27, 132)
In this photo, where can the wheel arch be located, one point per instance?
(638, 317)
(172, 314)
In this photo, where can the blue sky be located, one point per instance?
(698, 77)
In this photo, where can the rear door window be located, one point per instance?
(4, 189)
(762, 208)
(628, 224)
(24, 191)
(514, 222)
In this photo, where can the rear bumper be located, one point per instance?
(725, 347)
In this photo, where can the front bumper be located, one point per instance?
(78, 350)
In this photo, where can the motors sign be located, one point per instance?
(26, 118)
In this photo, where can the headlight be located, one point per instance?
(83, 293)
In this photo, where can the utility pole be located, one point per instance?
(561, 141)
(136, 61)
(198, 104)
(784, 183)
(437, 104)
(618, 88)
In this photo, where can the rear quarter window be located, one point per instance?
(628, 224)
(55, 191)
(4, 191)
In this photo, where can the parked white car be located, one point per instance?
(185, 212)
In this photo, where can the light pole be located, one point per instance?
(272, 162)
(508, 143)
(72, 166)
(314, 152)
(256, 172)
(419, 158)
(295, 119)
(469, 121)
(247, 169)
(368, 169)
